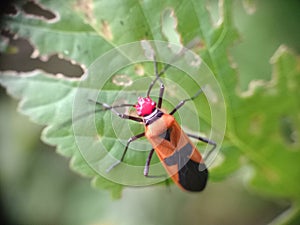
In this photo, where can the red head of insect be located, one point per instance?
(145, 106)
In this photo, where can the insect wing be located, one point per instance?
(179, 156)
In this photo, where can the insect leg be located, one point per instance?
(205, 140)
(88, 113)
(121, 115)
(181, 103)
(147, 166)
(133, 138)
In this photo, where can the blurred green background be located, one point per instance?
(37, 187)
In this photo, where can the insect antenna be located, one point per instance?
(111, 107)
(183, 50)
(88, 113)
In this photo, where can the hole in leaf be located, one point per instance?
(18, 56)
(8, 8)
(34, 9)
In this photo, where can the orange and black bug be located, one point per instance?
(179, 156)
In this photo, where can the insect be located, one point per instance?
(178, 155)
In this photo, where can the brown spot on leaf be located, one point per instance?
(139, 69)
(122, 80)
(86, 7)
(106, 31)
(256, 123)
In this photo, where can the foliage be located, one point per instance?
(263, 122)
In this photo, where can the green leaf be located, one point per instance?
(83, 31)
(269, 118)
(262, 123)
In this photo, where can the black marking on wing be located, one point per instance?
(192, 175)
(166, 135)
(180, 157)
